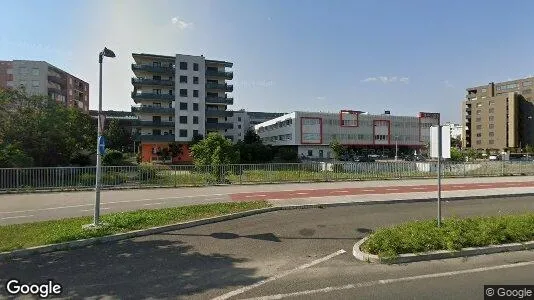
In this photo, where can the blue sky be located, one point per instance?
(402, 56)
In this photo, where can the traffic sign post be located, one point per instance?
(440, 147)
(102, 145)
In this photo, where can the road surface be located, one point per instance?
(293, 254)
(31, 207)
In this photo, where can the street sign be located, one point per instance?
(102, 144)
(445, 141)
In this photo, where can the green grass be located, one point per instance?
(454, 234)
(26, 235)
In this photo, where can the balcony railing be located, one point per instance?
(153, 109)
(157, 138)
(224, 74)
(138, 81)
(58, 80)
(151, 96)
(153, 69)
(218, 113)
(219, 126)
(219, 100)
(220, 86)
(155, 123)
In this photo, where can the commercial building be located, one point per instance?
(244, 120)
(498, 116)
(42, 78)
(179, 97)
(310, 133)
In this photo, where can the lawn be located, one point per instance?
(26, 235)
(454, 234)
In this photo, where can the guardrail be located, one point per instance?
(69, 178)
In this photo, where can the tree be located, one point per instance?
(215, 151)
(175, 149)
(457, 155)
(529, 149)
(12, 156)
(117, 138)
(251, 137)
(456, 142)
(337, 149)
(196, 138)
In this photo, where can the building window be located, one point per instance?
(479, 142)
(195, 80)
(156, 131)
(183, 65)
(478, 119)
(183, 79)
(195, 132)
(195, 67)
(491, 142)
(183, 92)
(35, 72)
(156, 91)
(238, 126)
(491, 118)
(195, 93)
(478, 112)
(195, 106)
(183, 132)
(479, 134)
(491, 126)
(183, 119)
(195, 120)
(479, 126)
(491, 110)
(170, 92)
(35, 83)
(183, 105)
(483, 90)
(239, 119)
(492, 133)
(310, 152)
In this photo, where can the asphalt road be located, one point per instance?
(31, 207)
(294, 254)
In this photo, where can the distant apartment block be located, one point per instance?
(499, 116)
(179, 97)
(42, 78)
(310, 133)
(456, 130)
(244, 120)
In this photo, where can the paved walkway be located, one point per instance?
(20, 208)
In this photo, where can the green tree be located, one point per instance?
(337, 149)
(457, 155)
(215, 151)
(113, 158)
(196, 138)
(456, 142)
(117, 137)
(12, 156)
(529, 149)
(251, 137)
(176, 149)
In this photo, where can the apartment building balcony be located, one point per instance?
(56, 79)
(143, 81)
(56, 90)
(153, 69)
(219, 126)
(155, 123)
(471, 96)
(218, 113)
(151, 96)
(223, 74)
(219, 100)
(220, 86)
(154, 138)
(152, 109)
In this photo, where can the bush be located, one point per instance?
(147, 171)
(108, 178)
(113, 158)
(81, 160)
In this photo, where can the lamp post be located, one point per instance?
(107, 53)
(396, 148)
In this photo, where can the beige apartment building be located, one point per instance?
(499, 116)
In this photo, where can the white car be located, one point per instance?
(493, 157)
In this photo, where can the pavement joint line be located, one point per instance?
(278, 276)
(392, 280)
(17, 217)
(157, 203)
(178, 226)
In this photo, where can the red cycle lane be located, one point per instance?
(281, 195)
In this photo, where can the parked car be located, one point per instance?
(493, 157)
(364, 159)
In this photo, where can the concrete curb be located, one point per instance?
(143, 232)
(442, 254)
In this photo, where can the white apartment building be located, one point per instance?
(456, 130)
(311, 132)
(179, 97)
(244, 120)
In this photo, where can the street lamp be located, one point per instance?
(107, 53)
(396, 148)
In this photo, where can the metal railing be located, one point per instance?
(68, 178)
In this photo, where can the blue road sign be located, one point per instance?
(102, 144)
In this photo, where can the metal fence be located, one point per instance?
(68, 178)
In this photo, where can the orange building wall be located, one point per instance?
(147, 156)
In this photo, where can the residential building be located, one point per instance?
(244, 120)
(178, 98)
(310, 133)
(498, 116)
(42, 78)
(456, 130)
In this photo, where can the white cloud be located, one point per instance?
(448, 84)
(386, 79)
(181, 23)
(320, 98)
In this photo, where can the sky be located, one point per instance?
(402, 56)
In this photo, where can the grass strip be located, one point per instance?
(19, 236)
(454, 234)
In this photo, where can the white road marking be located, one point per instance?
(419, 188)
(278, 276)
(157, 203)
(368, 190)
(340, 192)
(392, 280)
(392, 189)
(17, 217)
(302, 193)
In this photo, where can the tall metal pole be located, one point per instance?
(396, 147)
(98, 154)
(439, 174)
